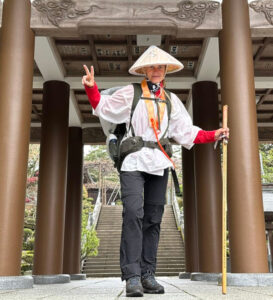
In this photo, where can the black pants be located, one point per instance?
(141, 221)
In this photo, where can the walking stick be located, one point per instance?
(224, 206)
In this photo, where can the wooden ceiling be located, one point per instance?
(112, 55)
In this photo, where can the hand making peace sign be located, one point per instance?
(88, 79)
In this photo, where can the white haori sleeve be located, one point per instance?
(116, 108)
(181, 128)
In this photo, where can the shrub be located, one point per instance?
(26, 261)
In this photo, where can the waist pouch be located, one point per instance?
(136, 143)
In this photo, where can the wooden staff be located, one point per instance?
(224, 206)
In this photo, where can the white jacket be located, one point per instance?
(116, 108)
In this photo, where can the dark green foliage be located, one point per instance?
(89, 239)
(26, 261)
(28, 239)
(266, 151)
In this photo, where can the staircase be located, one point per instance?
(170, 256)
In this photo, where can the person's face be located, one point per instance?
(155, 73)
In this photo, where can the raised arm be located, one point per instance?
(114, 108)
(91, 88)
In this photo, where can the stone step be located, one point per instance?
(118, 274)
(110, 266)
(160, 257)
(160, 248)
(116, 243)
(166, 238)
(164, 232)
(119, 222)
(170, 259)
(112, 227)
(116, 260)
(117, 270)
(174, 254)
(160, 266)
(166, 247)
(110, 220)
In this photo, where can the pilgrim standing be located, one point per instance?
(144, 173)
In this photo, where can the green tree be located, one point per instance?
(266, 151)
(28, 241)
(33, 159)
(97, 153)
(89, 239)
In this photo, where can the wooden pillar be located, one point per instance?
(49, 233)
(208, 179)
(16, 74)
(190, 212)
(72, 240)
(245, 207)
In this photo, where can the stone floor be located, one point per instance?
(113, 288)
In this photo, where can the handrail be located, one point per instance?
(93, 217)
(179, 218)
(113, 194)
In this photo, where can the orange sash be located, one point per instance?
(150, 104)
(153, 120)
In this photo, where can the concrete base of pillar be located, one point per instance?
(16, 282)
(77, 276)
(51, 279)
(184, 275)
(248, 279)
(205, 276)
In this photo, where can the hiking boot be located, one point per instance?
(150, 285)
(134, 287)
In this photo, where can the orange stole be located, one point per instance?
(150, 104)
(153, 120)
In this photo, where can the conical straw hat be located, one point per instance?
(155, 56)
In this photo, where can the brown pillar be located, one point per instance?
(72, 240)
(208, 179)
(190, 212)
(245, 206)
(16, 74)
(49, 234)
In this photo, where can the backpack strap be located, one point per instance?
(137, 95)
(169, 111)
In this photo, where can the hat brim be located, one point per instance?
(171, 68)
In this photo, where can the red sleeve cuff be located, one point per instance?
(204, 136)
(93, 95)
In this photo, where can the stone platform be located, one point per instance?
(114, 289)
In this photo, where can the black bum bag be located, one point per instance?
(136, 143)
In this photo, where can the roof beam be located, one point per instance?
(167, 43)
(48, 60)
(51, 67)
(130, 50)
(260, 51)
(172, 82)
(36, 112)
(209, 66)
(94, 55)
(262, 98)
(107, 82)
